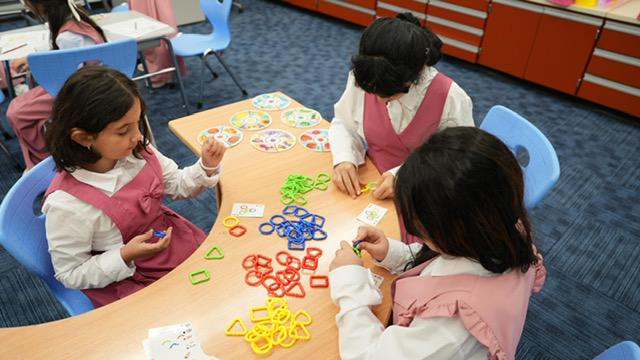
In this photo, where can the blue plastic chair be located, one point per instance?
(204, 45)
(52, 68)
(23, 235)
(542, 170)
(626, 350)
(120, 8)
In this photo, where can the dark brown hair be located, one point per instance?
(392, 53)
(57, 12)
(90, 99)
(464, 190)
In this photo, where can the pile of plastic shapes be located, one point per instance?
(275, 325)
(307, 227)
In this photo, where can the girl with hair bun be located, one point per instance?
(394, 100)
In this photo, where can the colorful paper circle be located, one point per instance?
(301, 117)
(251, 120)
(271, 101)
(273, 140)
(315, 139)
(227, 134)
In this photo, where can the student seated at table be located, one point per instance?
(106, 199)
(394, 100)
(69, 27)
(467, 292)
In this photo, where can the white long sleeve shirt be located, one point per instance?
(76, 228)
(363, 336)
(346, 132)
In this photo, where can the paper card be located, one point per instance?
(372, 214)
(377, 279)
(174, 342)
(247, 210)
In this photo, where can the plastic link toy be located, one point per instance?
(276, 326)
(307, 227)
(193, 276)
(296, 185)
(230, 221)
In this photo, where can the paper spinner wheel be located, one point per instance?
(251, 120)
(315, 139)
(271, 102)
(273, 140)
(231, 136)
(301, 117)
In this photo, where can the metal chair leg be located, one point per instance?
(17, 164)
(244, 92)
(143, 61)
(152, 138)
(202, 66)
(239, 6)
(177, 74)
(213, 73)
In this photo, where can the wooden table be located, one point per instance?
(116, 331)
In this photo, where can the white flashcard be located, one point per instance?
(174, 342)
(247, 210)
(377, 279)
(372, 214)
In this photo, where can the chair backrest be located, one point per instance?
(626, 350)
(217, 12)
(52, 68)
(120, 8)
(540, 167)
(23, 235)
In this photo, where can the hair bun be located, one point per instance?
(409, 17)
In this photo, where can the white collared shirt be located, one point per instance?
(76, 228)
(346, 132)
(362, 336)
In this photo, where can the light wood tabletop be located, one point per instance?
(116, 331)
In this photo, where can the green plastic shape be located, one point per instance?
(210, 254)
(193, 276)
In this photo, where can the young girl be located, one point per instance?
(69, 27)
(393, 101)
(106, 199)
(467, 295)
(158, 57)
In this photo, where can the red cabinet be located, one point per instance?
(562, 48)
(307, 4)
(393, 7)
(361, 12)
(509, 36)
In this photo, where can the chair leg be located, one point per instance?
(201, 95)
(239, 6)
(213, 73)
(244, 92)
(143, 62)
(17, 164)
(152, 138)
(176, 66)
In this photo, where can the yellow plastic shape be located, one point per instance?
(251, 335)
(265, 328)
(281, 316)
(299, 331)
(237, 321)
(264, 348)
(304, 321)
(282, 340)
(274, 303)
(230, 221)
(258, 309)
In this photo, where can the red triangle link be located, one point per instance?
(290, 288)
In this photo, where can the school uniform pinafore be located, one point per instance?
(134, 209)
(388, 149)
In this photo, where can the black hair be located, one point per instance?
(57, 12)
(463, 189)
(90, 99)
(392, 54)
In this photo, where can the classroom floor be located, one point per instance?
(588, 228)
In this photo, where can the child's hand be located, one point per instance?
(212, 152)
(139, 247)
(384, 190)
(345, 177)
(345, 256)
(374, 241)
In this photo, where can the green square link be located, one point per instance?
(192, 276)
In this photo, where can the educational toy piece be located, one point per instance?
(251, 120)
(230, 221)
(227, 134)
(372, 214)
(273, 140)
(174, 342)
(230, 329)
(211, 253)
(377, 279)
(238, 230)
(271, 102)
(301, 117)
(247, 210)
(279, 327)
(316, 140)
(198, 276)
(159, 233)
